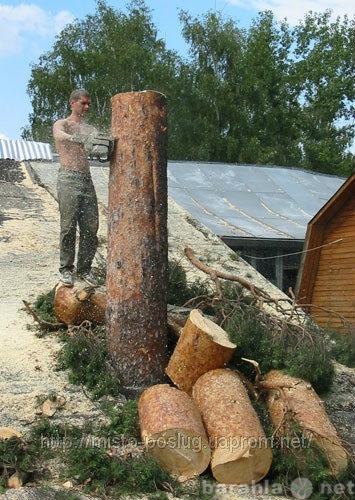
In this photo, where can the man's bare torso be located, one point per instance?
(72, 155)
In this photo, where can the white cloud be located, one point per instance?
(295, 10)
(21, 23)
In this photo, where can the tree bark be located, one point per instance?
(202, 346)
(136, 281)
(294, 400)
(172, 430)
(240, 450)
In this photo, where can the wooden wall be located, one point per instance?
(334, 283)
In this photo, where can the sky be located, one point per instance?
(28, 29)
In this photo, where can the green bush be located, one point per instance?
(44, 307)
(179, 290)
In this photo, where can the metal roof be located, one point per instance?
(24, 150)
(244, 202)
(250, 201)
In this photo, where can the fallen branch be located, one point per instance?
(45, 325)
(256, 292)
(307, 307)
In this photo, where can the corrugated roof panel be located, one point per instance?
(250, 200)
(24, 150)
(239, 201)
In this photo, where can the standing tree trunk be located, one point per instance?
(136, 314)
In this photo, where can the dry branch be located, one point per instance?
(45, 325)
(255, 291)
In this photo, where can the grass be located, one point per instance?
(342, 348)
(91, 464)
(179, 290)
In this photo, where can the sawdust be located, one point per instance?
(28, 267)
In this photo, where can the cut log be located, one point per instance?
(97, 303)
(202, 346)
(295, 398)
(74, 305)
(172, 430)
(240, 450)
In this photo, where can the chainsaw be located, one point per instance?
(100, 147)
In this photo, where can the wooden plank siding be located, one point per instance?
(327, 284)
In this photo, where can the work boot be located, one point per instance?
(67, 278)
(90, 278)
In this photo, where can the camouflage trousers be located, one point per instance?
(78, 209)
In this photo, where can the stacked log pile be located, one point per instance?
(209, 404)
(240, 452)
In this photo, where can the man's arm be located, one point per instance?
(59, 133)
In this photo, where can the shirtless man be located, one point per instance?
(76, 192)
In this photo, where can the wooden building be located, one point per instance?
(326, 278)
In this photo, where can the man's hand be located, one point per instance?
(100, 146)
(85, 140)
(79, 138)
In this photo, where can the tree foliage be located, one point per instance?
(107, 53)
(269, 94)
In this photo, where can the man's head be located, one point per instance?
(80, 101)
(77, 94)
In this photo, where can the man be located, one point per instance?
(76, 192)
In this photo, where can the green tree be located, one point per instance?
(325, 74)
(264, 95)
(269, 94)
(272, 106)
(107, 53)
(213, 76)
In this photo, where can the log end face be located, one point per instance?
(180, 452)
(214, 331)
(241, 466)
